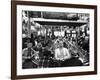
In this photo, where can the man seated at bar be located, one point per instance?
(64, 58)
(29, 57)
(62, 54)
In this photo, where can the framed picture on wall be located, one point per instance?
(53, 39)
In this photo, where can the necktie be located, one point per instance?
(29, 52)
(61, 53)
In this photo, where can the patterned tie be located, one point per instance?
(29, 52)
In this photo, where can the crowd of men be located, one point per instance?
(40, 51)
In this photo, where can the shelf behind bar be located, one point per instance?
(43, 21)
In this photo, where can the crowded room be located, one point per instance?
(54, 39)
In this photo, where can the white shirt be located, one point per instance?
(62, 54)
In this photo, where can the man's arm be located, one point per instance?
(67, 54)
(24, 54)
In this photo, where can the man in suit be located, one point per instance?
(27, 57)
